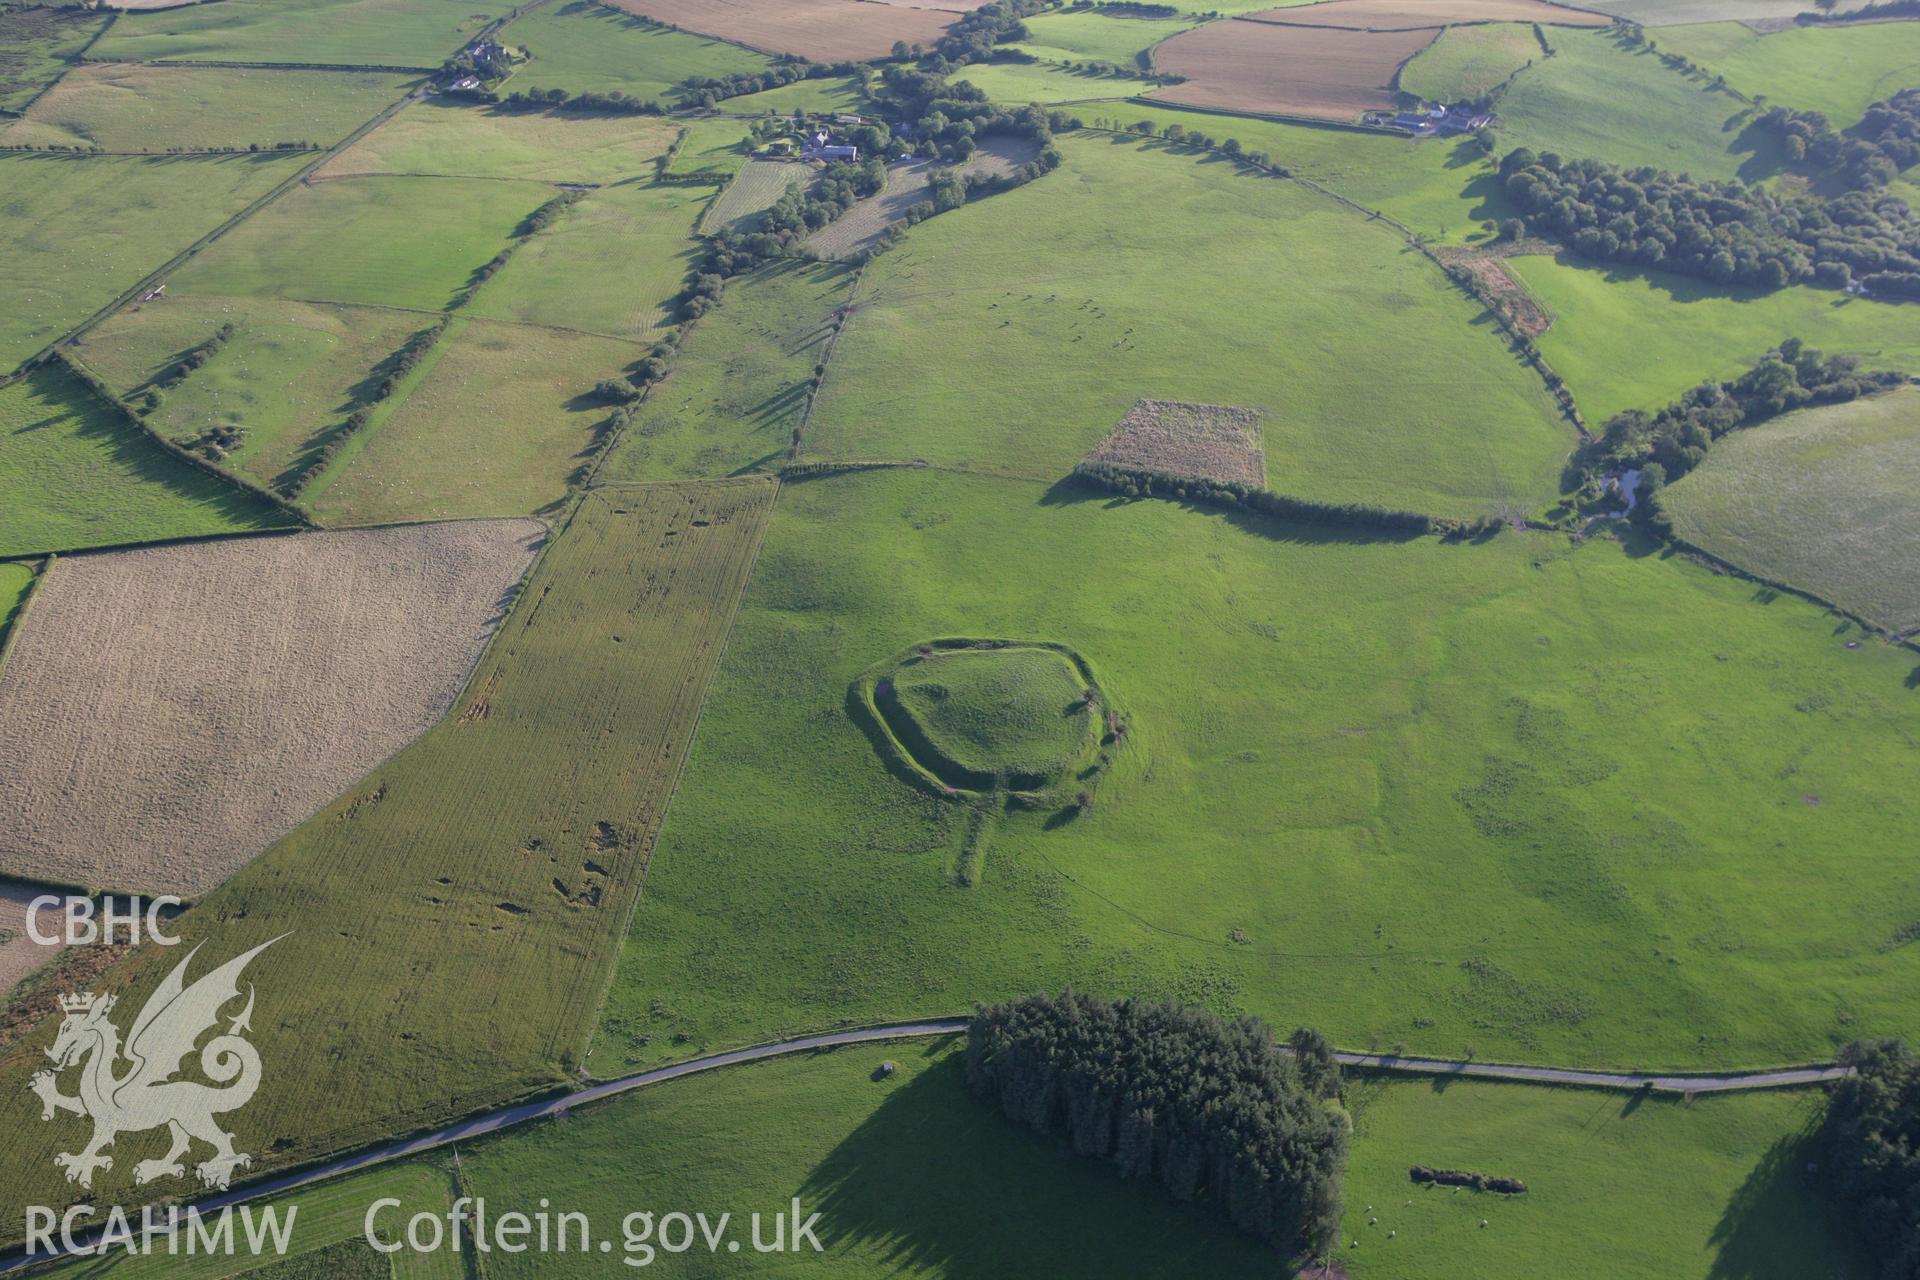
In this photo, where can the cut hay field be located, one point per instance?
(1409, 15)
(1796, 67)
(76, 231)
(36, 46)
(135, 763)
(826, 94)
(586, 47)
(754, 190)
(482, 878)
(1821, 500)
(1596, 98)
(1090, 35)
(823, 30)
(290, 374)
(1322, 72)
(1635, 339)
(1466, 62)
(499, 425)
(385, 241)
(738, 385)
(861, 227)
(387, 33)
(1020, 83)
(447, 138)
(136, 108)
(73, 474)
(611, 265)
(1128, 282)
(1517, 800)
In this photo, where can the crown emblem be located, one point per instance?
(79, 1002)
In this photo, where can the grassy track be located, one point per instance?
(1093, 36)
(1130, 285)
(1821, 500)
(138, 108)
(445, 137)
(1796, 68)
(1510, 799)
(36, 45)
(73, 475)
(397, 33)
(585, 47)
(481, 878)
(388, 241)
(75, 231)
(1466, 62)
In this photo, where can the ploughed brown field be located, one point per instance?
(169, 712)
(1323, 72)
(824, 30)
(1410, 15)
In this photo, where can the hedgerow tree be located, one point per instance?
(1873, 1132)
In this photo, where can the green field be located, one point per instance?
(1466, 62)
(1821, 500)
(76, 231)
(1096, 37)
(397, 33)
(14, 581)
(289, 375)
(1516, 800)
(135, 108)
(1625, 338)
(1796, 68)
(1597, 99)
(1123, 283)
(822, 95)
(711, 146)
(1666, 13)
(74, 475)
(497, 426)
(612, 264)
(585, 47)
(738, 385)
(36, 46)
(446, 138)
(384, 241)
(1019, 83)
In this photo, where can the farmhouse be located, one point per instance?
(1431, 121)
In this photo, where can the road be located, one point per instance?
(520, 1113)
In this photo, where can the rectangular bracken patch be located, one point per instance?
(1212, 441)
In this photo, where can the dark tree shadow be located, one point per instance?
(1757, 1228)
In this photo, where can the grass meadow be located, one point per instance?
(585, 47)
(291, 373)
(446, 138)
(14, 581)
(1130, 286)
(1796, 68)
(77, 230)
(1821, 500)
(1021, 83)
(74, 475)
(1093, 36)
(454, 915)
(397, 33)
(384, 241)
(716, 147)
(1515, 800)
(827, 94)
(1466, 62)
(499, 425)
(611, 265)
(36, 48)
(1627, 338)
(118, 107)
(738, 384)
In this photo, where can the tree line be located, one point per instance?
(787, 68)
(1144, 482)
(396, 367)
(1869, 156)
(615, 103)
(1204, 1106)
(1726, 232)
(190, 361)
(1872, 1132)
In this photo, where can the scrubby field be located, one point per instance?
(752, 192)
(1514, 800)
(586, 47)
(36, 45)
(402, 33)
(1092, 35)
(139, 108)
(482, 877)
(1127, 284)
(1797, 67)
(388, 241)
(739, 384)
(610, 265)
(447, 138)
(824, 30)
(1628, 339)
(75, 232)
(498, 425)
(861, 227)
(1324, 72)
(73, 474)
(290, 374)
(1401, 15)
(1020, 83)
(1466, 62)
(167, 713)
(1208, 440)
(1821, 500)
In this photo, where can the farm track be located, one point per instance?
(520, 1113)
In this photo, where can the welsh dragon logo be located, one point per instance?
(145, 1095)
